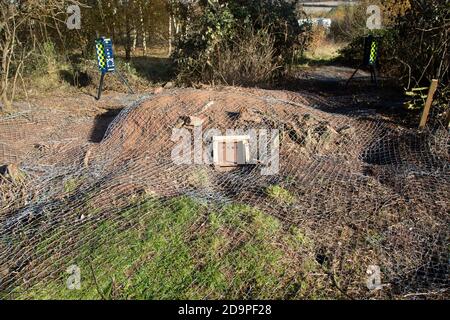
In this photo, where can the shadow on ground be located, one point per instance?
(154, 69)
(101, 124)
(361, 95)
(79, 79)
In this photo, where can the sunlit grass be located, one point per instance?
(181, 249)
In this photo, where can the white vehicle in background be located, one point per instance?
(321, 22)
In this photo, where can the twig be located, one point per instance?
(424, 293)
(95, 281)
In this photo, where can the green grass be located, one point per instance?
(181, 249)
(280, 194)
(70, 185)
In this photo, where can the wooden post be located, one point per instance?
(426, 109)
(447, 122)
(170, 34)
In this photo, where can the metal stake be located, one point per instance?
(100, 87)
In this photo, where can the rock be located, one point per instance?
(190, 121)
(169, 85)
(206, 106)
(158, 90)
(194, 121)
(179, 123)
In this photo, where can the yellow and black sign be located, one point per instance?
(370, 59)
(371, 50)
(105, 60)
(105, 56)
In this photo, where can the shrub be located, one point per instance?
(425, 56)
(280, 194)
(237, 42)
(247, 60)
(46, 60)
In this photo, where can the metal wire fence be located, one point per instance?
(357, 209)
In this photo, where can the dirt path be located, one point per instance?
(53, 122)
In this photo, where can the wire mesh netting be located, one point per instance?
(357, 209)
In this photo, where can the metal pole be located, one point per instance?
(124, 81)
(354, 73)
(375, 76)
(100, 87)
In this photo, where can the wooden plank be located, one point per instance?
(230, 151)
(426, 109)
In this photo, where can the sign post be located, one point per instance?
(370, 60)
(105, 61)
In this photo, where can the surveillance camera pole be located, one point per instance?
(105, 59)
(371, 54)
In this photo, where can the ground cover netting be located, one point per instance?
(353, 193)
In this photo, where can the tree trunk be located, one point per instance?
(127, 39)
(134, 37)
(170, 34)
(144, 34)
(6, 104)
(7, 47)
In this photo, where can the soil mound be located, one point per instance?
(351, 189)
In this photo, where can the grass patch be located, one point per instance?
(72, 184)
(280, 194)
(182, 249)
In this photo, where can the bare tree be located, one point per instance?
(22, 24)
